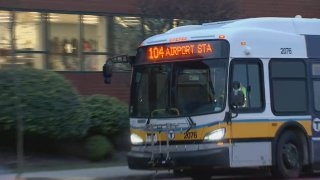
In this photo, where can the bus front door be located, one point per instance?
(315, 109)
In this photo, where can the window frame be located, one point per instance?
(315, 109)
(305, 78)
(247, 61)
(313, 78)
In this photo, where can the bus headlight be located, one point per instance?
(135, 139)
(215, 135)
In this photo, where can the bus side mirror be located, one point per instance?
(107, 71)
(108, 66)
(237, 99)
(237, 96)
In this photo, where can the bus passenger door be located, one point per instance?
(315, 109)
(248, 129)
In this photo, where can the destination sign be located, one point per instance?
(180, 51)
(183, 51)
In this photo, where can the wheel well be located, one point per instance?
(303, 137)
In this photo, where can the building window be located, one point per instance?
(94, 42)
(28, 29)
(288, 86)
(128, 35)
(5, 40)
(94, 62)
(29, 38)
(94, 28)
(64, 33)
(153, 26)
(31, 60)
(249, 74)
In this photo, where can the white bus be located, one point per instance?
(232, 94)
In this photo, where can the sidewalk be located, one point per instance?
(4, 170)
(5, 174)
(119, 172)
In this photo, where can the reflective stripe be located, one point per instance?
(316, 139)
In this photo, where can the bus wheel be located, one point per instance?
(200, 174)
(201, 177)
(289, 156)
(179, 172)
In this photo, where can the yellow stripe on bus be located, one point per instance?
(238, 130)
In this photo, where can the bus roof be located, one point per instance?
(249, 37)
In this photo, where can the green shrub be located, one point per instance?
(45, 100)
(108, 116)
(98, 147)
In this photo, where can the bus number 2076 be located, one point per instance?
(190, 135)
(286, 50)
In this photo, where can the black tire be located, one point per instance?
(179, 173)
(201, 177)
(200, 174)
(288, 156)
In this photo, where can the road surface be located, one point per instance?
(124, 173)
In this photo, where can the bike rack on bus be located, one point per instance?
(168, 129)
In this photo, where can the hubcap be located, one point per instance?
(290, 156)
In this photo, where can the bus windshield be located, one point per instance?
(179, 88)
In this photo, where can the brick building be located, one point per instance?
(74, 37)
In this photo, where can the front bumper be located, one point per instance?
(218, 157)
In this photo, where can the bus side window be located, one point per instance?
(288, 86)
(249, 74)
